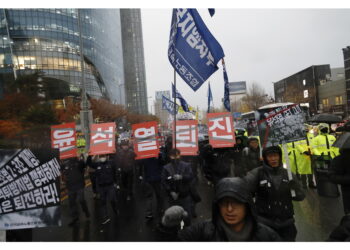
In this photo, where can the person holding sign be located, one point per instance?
(105, 184)
(176, 179)
(272, 190)
(73, 176)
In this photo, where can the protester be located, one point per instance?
(176, 180)
(237, 153)
(73, 176)
(233, 217)
(125, 161)
(150, 172)
(272, 190)
(251, 155)
(340, 174)
(92, 176)
(170, 225)
(105, 184)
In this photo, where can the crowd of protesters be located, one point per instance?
(253, 192)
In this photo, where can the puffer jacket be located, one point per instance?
(211, 230)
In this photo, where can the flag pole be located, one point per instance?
(174, 129)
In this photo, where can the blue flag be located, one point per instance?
(169, 105)
(211, 12)
(227, 90)
(193, 51)
(182, 100)
(210, 97)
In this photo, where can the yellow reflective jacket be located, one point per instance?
(319, 145)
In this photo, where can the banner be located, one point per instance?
(64, 138)
(29, 194)
(187, 137)
(280, 125)
(210, 98)
(220, 130)
(102, 139)
(167, 104)
(146, 144)
(193, 51)
(227, 102)
(177, 94)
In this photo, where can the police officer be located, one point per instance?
(272, 190)
(73, 176)
(105, 173)
(322, 143)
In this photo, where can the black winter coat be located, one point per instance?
(207, 231)
(212, 231)
(73, 174)
(340, 174)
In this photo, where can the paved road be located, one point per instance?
(315, 218)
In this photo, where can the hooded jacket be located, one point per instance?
(272, 191)
(340, 174)
(212, 230)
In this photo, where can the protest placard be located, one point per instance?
(187, 137)
(29, 191)
(102, 140)
(220, 130)
(64, 138)
(146, 144)
(280, 125)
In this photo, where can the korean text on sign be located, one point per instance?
(220, 129)
(187, 137)
(64, 138)
(102, 139)
(146, 144)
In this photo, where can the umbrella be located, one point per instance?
(343, 141)
(327, 118)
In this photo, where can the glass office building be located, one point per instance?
(134, 63)
(48, 40)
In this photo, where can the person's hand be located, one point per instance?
(306, 153)
(177, 177)
(174, 195)
(173, 216)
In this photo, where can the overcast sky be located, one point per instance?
(261, 46)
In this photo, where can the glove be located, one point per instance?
(292, 184)
(306, 153)
(174, 195)
(173, 216)
(177, 177)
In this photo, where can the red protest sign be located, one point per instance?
(64, 138)
(146, 144)
(187, 137)
(102, 140)
(220, 130)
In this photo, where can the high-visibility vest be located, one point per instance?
(319, 145)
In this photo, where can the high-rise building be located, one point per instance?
(48, 40)
(346, 52)
(134, 64)
(161, 113)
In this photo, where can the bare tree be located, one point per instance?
(255, 98)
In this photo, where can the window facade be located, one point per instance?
(48, 40)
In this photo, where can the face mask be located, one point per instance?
(103, 159)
